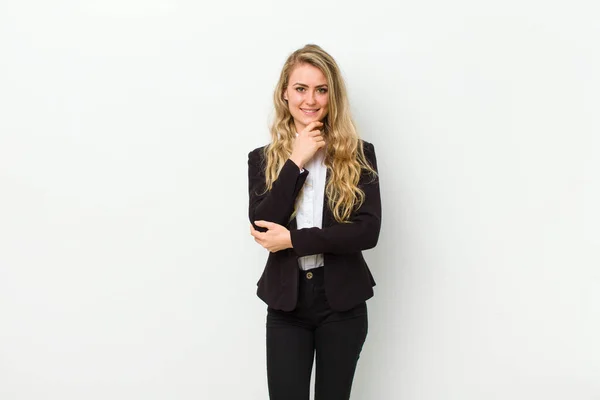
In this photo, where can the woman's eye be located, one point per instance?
(320, 90)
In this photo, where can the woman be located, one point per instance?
(315, 205)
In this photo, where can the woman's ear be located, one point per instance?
(285, 95)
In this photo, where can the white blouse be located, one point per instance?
(310, 204)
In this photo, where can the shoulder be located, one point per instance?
(257, 154)
(367, 146)
(369, 151)
(258, 150)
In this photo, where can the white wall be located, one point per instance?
(126, 266)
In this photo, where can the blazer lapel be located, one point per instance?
(328, 219)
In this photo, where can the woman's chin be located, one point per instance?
(312, 119)
(306, 120)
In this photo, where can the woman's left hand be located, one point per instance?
(277, 237)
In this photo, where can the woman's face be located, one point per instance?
(307, 95)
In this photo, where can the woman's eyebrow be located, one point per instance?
(302, 84)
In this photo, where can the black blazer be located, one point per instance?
(348, 280)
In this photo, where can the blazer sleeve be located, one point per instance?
(277, 204)
(361, 233)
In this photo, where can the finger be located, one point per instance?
(265, 224)
(311, 126)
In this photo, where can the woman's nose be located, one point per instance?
(310, 98)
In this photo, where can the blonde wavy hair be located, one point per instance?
(344, 157)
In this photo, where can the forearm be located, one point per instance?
(277, 204)
(338, 239)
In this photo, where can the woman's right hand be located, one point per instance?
(307, 143)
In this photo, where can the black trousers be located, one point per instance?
(294, 337)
